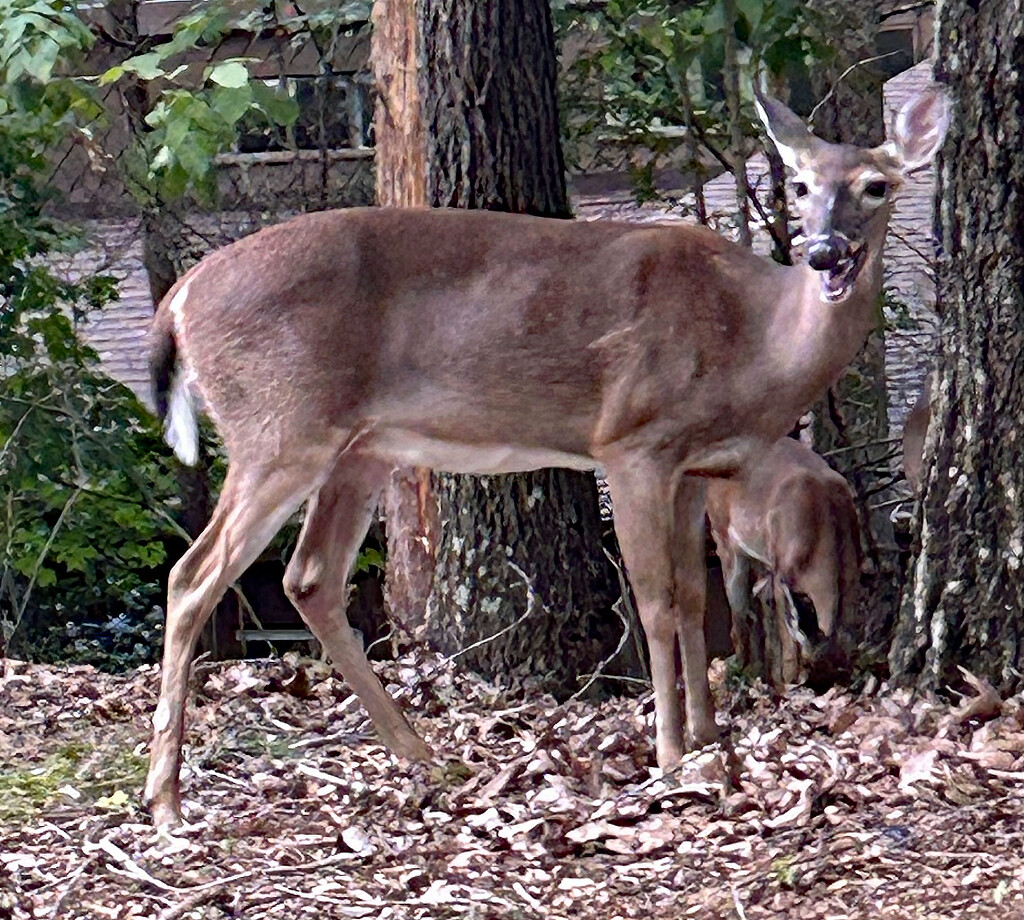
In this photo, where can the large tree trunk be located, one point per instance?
(965, 598)
(479, 129)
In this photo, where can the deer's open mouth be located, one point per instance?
(837, 282)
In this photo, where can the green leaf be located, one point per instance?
(45, 577)
(194, 159)
(145, 66)
(112, 75)
(230, 74)
(751, 10)
(279, 108)
(174, 181)
(177, 131)
(714, 19)
(164, 157)
(231, 103)
(40, 64)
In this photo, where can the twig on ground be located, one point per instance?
(191, 902)
(627, 628)
(740, 912)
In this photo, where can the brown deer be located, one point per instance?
(334, 347)
(796, 516)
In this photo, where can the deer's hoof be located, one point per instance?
(415, 749)
(705, 735)
(166, 815)
(669, 756)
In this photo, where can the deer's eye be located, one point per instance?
(877, 189)
(799, 189)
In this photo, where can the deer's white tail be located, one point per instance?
(181, 429)
(171, 394)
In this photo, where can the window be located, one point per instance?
(898, 46)
(334, 112)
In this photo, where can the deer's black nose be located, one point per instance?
(824, 254)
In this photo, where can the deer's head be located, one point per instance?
(844, 193)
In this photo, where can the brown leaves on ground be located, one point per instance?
(815, 806)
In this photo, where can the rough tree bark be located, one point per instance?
(479, 129)
(964, 604)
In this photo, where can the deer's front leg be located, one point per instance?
(689, 602)
(642, 509)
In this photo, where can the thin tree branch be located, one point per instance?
(845, 74)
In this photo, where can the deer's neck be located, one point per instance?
(823, 338)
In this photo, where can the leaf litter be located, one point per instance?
(838, 805)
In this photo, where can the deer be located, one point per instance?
(330, 349)
(797, 517)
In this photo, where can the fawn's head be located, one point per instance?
(844, 193)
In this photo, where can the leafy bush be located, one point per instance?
(85, 494)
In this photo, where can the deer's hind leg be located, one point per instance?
(254, 504)
(316, 580)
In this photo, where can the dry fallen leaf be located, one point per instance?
(918, 767)
(985, 704)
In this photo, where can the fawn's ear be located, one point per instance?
(791, 137)
(920, 127)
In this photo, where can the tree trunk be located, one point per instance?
(731, 78)
(964, 601)
(489, 138)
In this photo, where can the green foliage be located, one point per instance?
(196, 112)
(87, 494)
(33, 37)
(369, 558)
(84, 495)
(200, 106)
(649, 72)
(96, 774)
(896, 312)
(37, 109)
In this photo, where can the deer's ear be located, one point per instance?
(791, 137)
(920, 127)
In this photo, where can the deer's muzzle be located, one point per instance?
(838, 261)
(825, 253)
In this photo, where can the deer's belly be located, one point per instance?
(405, 448)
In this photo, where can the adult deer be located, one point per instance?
(791, 512)
(336, 346)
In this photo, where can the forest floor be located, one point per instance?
(831, 806)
